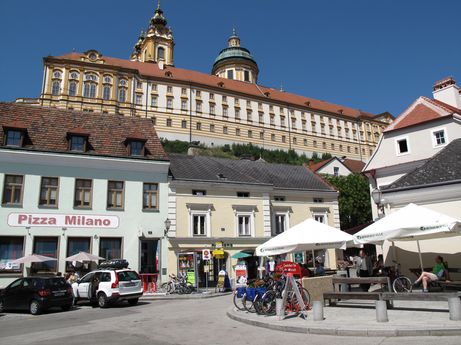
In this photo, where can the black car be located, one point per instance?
(36, 294)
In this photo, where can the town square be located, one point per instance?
(247, 172)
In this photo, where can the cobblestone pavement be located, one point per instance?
(193, 322)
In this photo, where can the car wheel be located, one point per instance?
(102, 300)
(133, 301)
(35, 308)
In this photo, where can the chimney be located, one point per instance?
(447, 91)
(194, 149)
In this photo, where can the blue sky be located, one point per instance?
(372, 55)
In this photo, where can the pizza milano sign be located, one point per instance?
(62, 220)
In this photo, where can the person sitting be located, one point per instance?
(438, 273)
(319, 270)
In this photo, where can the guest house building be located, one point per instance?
(73, 181)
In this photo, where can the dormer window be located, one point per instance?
(77, 143)
(136, 148)
(14, 137)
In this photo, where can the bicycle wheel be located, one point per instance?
(257, 304)
(238, 302)
(166, 287)
(247, 304)
(306, 299)
(401, 284)
(267, 303)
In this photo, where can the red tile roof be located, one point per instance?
(421, 111)
(188, 76)
(47, 130)
(354, 165)
(319, 165)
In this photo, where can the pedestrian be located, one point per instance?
(365, 269)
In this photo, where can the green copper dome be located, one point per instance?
(233, 53)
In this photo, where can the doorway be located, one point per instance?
(149, 261)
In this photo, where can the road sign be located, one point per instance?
(206, 254)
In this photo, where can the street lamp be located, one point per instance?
(167, 226)
(377, 195)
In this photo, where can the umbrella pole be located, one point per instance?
(420, 256)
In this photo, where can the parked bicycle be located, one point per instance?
(400, 282)
(177, 284)
(260, 296)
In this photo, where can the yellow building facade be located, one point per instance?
(224, 107)
(220, 207)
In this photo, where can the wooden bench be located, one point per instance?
(334, 296)
(418, 296)
(442, 284)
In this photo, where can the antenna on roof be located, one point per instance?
(281, 87)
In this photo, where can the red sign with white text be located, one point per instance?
(288, 267)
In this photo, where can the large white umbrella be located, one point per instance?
(307, 235)
(84, 256)
(411, 222)
(32, 258)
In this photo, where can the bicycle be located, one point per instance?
(400, 282)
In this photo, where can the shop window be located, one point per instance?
(150, 196)
(46, 246)
(115, 195)
(76, 245)
(83, 193)
(13, 190)
(49, 192)
(110, 248)
(11, 248)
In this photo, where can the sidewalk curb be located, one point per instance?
(342, 331)
(183, 297)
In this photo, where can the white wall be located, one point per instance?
(330, 168)
(133, 222)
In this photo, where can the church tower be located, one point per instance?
(236, 62)
(157, 44)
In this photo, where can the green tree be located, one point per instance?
(354, 199)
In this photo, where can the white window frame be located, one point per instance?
(286, 214)
(434, 139)
(199, 210)
(320, 213)
(250, 214)
(397, 147)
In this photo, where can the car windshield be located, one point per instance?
(125, 276)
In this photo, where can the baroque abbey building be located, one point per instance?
(224, 107)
